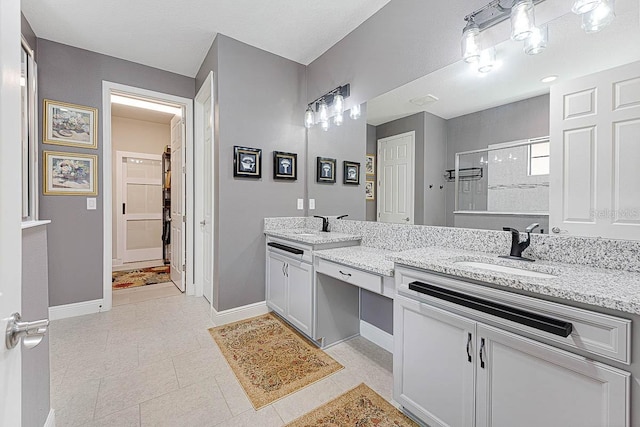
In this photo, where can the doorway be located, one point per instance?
(146, 187)
(396, 178)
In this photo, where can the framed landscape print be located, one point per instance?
(285, 165)
(247, 162)
(369, 190)
(70, 124)
(370, 164)
(70, 174)
(351, 173)
(326, 170)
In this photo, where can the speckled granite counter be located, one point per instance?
(312, 237)
(364, 258)
(614, 289)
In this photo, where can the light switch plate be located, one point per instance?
(312, 204)
(91, 203)
(300, 204)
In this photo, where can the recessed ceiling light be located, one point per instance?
(549, 79)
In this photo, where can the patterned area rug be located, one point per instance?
(140, 277)
(361, 407)
(270, 358)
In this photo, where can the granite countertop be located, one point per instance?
(614, 289)
(312, 237)
(372, 260)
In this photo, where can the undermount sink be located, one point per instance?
(305, 233)
(505, 269)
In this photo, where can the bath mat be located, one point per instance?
(360, 407)
(270, 358)
(140, 277)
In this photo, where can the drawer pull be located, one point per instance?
(286, 248)
(344, 274)
(469, 338)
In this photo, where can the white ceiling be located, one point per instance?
(129, 112)
(176, 35)
(571, 53)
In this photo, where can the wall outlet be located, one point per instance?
(92, 203)
(312, 204)
(300, 204)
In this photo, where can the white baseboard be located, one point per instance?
(51, 419)
(76, 309)
(376, 335)
(239, 313)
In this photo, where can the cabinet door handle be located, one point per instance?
(469, 337)
(283, 273)
(482, 353)
(345, 274)
(286, 270)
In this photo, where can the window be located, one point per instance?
(539, 159)
(29, 136)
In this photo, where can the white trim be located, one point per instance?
(379, 161)
(76, 309)
(501, 213)
(239, 313)
(32, 224)
(376, 335)
(107, 191)
(51, 419)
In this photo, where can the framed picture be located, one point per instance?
(326, 170)
(247, 162)
(370, 164)
(70, 124)
(70, 174)
(370, 190)
(285, 165)
(351, 173)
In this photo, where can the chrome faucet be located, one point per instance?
(325, 223)
(518, 247)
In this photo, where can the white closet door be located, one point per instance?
(177, 203)
(595, 148)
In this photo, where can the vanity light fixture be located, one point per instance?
(338, 119)
(522, 20)
(323, 112)
(537, 41)
(327, 107)
(600, 17)
(355, 112)
(487, 60)
(583, 6)
(471, 42)
(309, 118)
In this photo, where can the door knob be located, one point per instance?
(407, 219)
(203, 222)
(31, 333)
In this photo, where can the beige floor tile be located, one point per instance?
(200, 404)
(113, 360)
(233, 392)
(136, 386)
(303, 401)
(75, 405)
(165, 345)
(198, 365)
(129, 417)
(265, 417)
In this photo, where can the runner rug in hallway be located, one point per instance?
(360, 407)
(140, 277)
(270, 358)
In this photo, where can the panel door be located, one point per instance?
(434, 363)
(595, 147)
(276, 284)
(207, 176)
(300, 297)
(396, 178)
(177, 203)
(528, 384)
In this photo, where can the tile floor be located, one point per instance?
(150, 361)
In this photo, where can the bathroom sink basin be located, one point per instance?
(505, 269)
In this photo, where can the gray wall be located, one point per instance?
(75, 236)
(346, 142)
(497, 222)
(261, 105)
(372, 148)
(511, 122)
(35, 306)
(376, 310)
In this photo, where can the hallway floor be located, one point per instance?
(150, 361)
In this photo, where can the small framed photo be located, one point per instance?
(370, 164)
(326, 170)
(247, 162)
(70, 174)
(69, 124)
(370, 190)
(351, 173)
(285, 165)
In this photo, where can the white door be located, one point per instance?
(139, 181)
(595, 147)
(300, 303)
(205, 185)
(11, 212)
(528, 384)
(276, 283)
(434, 363)
(177, 202)
(396, 178)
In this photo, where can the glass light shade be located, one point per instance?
(355, 112)
(583, 6)
(338, 103)
(309, 118)
(323, 112)
(487, 60)
(600, 17)
(338, 119)
(522, 20)
(325, 125)
(471, 42)
(538, 41)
